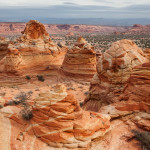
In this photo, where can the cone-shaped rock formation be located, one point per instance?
(80, 59)
(60, 122)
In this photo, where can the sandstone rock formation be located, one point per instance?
(34, 49)
(113, 70)
(35, 38)
(147, 53)
(137, 88)
(3, 46)
(80, 59)
(60, 122)
(13, 60)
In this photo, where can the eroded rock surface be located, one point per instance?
(33, 48)
(114, 68)
(3, 46)
(60, 122)
(80, 59)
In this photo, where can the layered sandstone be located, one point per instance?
(13, 60)
(80, 59)
(147, 53)
(34, 49)
(114, 68)
(36, 38)
(60, 122)
(3, 46)
(138, 85)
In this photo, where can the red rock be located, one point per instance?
(70, 125)
(80, 60)
(114, 68)
(33, 49)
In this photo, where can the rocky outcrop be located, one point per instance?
(12, 61)
(114, 68)
(34, 49)
(80, 60)
(35, 38)
(147, 53)
(60, 122)
(3, 46)
(137, 88)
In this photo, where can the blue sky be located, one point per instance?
(75, 8)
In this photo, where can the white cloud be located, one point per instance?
(114, 3)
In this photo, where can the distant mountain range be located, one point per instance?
(92, 21)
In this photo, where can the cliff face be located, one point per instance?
(59, 121)
(80, 60)
(114, 68)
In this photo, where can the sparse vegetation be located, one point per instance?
(21, 99)
(103, 42)
(40, 78)
(144, 138)
(81, 104)
(28, 77)
(86, 93)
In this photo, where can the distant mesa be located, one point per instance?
(139, 29)
(114, 68)
(60, 122)
(80, 60)
(137, 25)
(70, 34)
(64, 26)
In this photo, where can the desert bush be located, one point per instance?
(26, 114)
(40, 78)
(144, 138)
(28, 77)
(21, 99)
(86, 93)
(81, 104)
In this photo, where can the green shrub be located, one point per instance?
(28, 77)
(143, 137)
(40, 78)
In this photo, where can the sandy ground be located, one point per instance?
(78, 88)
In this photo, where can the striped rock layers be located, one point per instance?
(114, 68)
(80, 59)
(35, 48)
(60, 122)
